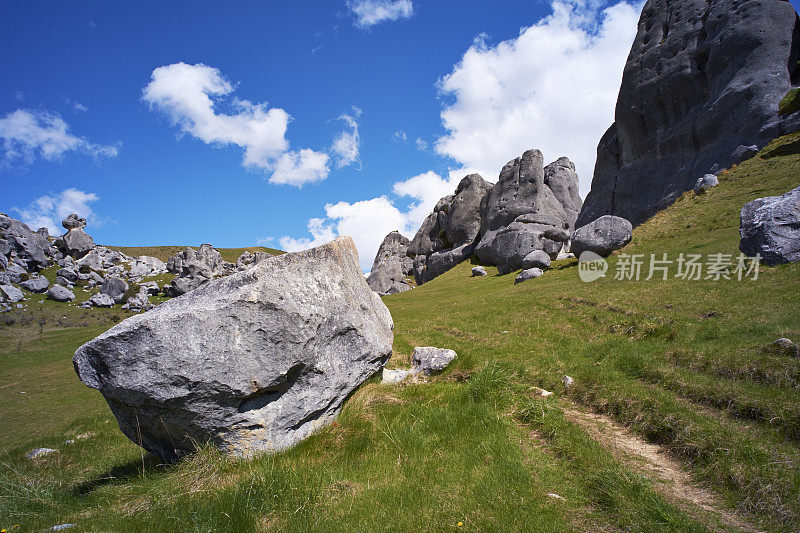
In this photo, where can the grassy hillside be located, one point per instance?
(165, 252)
(678, 363)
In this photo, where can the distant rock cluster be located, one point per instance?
(77, 261)
(525, 220)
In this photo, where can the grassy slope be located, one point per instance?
(165, 252)
(678, 361)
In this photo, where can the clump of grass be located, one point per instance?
(790, 103)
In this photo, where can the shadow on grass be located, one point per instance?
(791, 148)
(121, 473)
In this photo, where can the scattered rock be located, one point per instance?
(101, 300)
(73, 221)
(744, 152)
(194, 268)
(391, 266)
(11, 293)
(36, 284)
(478, 271)
(39, 452)
(783, 347)
(430, 360)
(68, 274)
(555, 496)
(540, 392)
(706, 182)
(528, 273)
(536, 259)
(449, 234)
(521, 214)
(567, 381)
(152, 287)
(15, 272)
(390, 377)
(602, 236)
(76, 243)
(250, 259)
(115, 288)
(145, 266)
(139, 301)
(724, 65)
(102, 258)
(274, 351)
(771, 227)
(60, 294)
(63, 282)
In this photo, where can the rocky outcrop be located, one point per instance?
(522, 214)
(31, 248)
(252, 362)
(771, 227)
(249, 259)
(60, 293)
(102, 258)
(391, 266)
(561, 178)
(115, 288)
(702, 82)
(449, 234)
(73, 221)
(38, 284)
(602, 236)
(194, 268)
(145, 266)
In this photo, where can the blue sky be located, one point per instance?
(289, 123)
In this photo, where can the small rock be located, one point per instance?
(478, 271)
(555, 496)
(744, 152)
(527, 274)
(60, 294)
(706, 182)
(114, 287)
(36, 284)
(101, 300)
(39, 452)
(73, 221)
(568, 381)
(68, 274)
(602, 236)
(783, 347)
(540, 392)
(11, 293)
(536, 259)
(430, 360)
(397, 375)
(62, 527)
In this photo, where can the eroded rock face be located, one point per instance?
(249, 259)
(76, 243)
(73, 221)
(30, 247)
(561, 178)
(449, 234)
(252, 362)
(195, 267)
(101, 258)
(145, 265)
(702, 79)
(771, 227)
(522, 214)
(391, 266)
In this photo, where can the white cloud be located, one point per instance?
(320, 234)
(347, 144)
(27, 133)
(49, 210)
(421, 145)
(553, 87)
(400, 137)
(371, 12)
(299, 168)
(76, 106)
(265, 241)
(190, 96)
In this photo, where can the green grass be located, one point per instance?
(790, 103)
(679, 362)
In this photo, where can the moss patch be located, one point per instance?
(790, 103)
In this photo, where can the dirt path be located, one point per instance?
(671, 478)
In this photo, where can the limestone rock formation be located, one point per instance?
(391, 266)
(528, 273)
(249, 259)
(102, 258)
(115, 288)
(430, 360)
(252, 362)
(702, 79)
(73, 221)
(602, 236)
(194, 268)
(522, 214)
(771, 227)
(60, 293)
(37, 284)
(478, 271)
(145, 265)
(449, 234)
(31, 248)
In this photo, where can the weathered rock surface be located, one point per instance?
(10, 293)
(37, 284)
(101, 300)
(60, 293)
(102, 258)
(771, 227)
(528, 273)
(431, 360)
(701, 80)
(522, 214)
(536, 259)
(252, 362)
(73, 221)
(602, 236)
(449, 234)
(76, 243)
(115, 288)
(708, 181)
(195, 267)
(391, 266)
(249, 259)
(139, 301)
(561, 178)
(144, 266)
(30, 247)
(478, 271)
